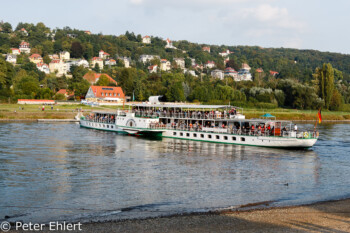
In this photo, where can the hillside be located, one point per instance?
(271, 90)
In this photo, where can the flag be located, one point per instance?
(319, 116)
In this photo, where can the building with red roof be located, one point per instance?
(259, 70)
(231, 72)
(93, 77)
(67, 93)
(273, 73)
(105, 94)
(36, 58)
(146, 39)
(15, 51)
(103, 55)
(24, 47)
(206, 49)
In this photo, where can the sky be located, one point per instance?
(302, 24)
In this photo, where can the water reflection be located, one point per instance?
(61, 171)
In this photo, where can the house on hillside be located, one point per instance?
(259, 70)
(206, 49)
(110, 62)
(24, 47)
(153, 69)
(217, 74)
(93, 77)
(64, 55)
(36, 58)
(24, 32)
(97, 60)
(209, 65)
(15, 51)
(87, 32)
(245, 66)
(147, 58)
(273, 73)
(231, 72)
(180, 62)
(58, 67)
(54, 57)
(146, 39)
(169, 44)
(191, 72)
(12, 58)
(165, 65)
(225, 53)
(43, 67)
(103, 55)
(67, 93)
(105, 94)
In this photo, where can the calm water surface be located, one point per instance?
(64, 172)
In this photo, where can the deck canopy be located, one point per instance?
(187, 106)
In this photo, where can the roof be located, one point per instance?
(104, 52)
(96, 59)
(24, 43)
(33, 100)
(15, 49)
(273, 72)
(35, 55)
(151, 67)
(259, 70)
(165, 105)
(230, 70)
(65, 92)
(41, 64)
(146, 37)
(92, 77)
(98, 90)
(55, 61)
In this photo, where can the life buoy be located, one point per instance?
(306, 134)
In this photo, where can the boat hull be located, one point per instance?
(100, 126)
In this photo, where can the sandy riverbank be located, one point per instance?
(331, 216)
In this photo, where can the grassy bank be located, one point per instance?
(33, 112)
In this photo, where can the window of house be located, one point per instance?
(102, 93)
(115, 94)
(118, 94)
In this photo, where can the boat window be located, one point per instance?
(187, 134)
(225, 137)
(112, 126)
(174, 133)
(181, 134)
(107, 126)
(217, 137)
(202, 135)
(209, 135)
(195, 135)
(243, 139)
(233, 138)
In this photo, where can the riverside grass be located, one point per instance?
(33, 112)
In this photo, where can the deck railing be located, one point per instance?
(186, 115)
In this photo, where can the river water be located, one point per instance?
(64, 172)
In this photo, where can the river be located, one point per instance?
(63, 172)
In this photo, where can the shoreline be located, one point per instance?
(322, 216)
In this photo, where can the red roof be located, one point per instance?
(146, 37)
(106, 91)
(23, 43)
(104, 52)
(259, 70)
(41, 64)
(210, 62)
(15, 49)
(273, 72)
(230, 70)
(96, 59)
(35, 55)
(55, 61)
(33, 100)
(93, 77)
(65, 92)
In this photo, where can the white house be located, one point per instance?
(126, 61)
(225, 53)
(147, 58)
(58, 66)
(217, 74)
(191, 72)
(231, 72)
(169, 44)
(64, 55)
(206, 49)
(103, 55)
(12, 58)
(244, 75)
(97, 60)
(54, 56)
(209, 65)
(165, 65)
(245, 66)
(79, 62)
(110, 62)
(180, 62)
(35, 58)
(43, 67)
(24, 32)
(15, 51)
(153, 69)
(24, 47)
(146, 39)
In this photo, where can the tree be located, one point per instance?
(76, 50)
(103, 81)
(336, 101)
(325, 81)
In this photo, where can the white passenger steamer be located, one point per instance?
(210, 123)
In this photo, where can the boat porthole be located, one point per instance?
(174, 133)
(225, 138)
(187, 134)
(181, 134)
(233, 138)
(243, 139)
(209, 136)
(202, 135)
(195, 135)
(217, 137)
